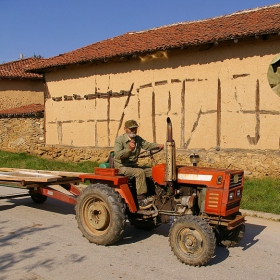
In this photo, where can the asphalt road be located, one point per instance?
(43, 242)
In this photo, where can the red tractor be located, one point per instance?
(202, 204)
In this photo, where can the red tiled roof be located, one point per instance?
(24, 110)
(259, 21)
(16, 69)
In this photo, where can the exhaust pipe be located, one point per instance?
(170, 171)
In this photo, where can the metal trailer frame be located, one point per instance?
(45, 182)
(41, 182)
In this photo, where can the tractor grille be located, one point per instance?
(233, 205)
(213, 201)
(235, 180)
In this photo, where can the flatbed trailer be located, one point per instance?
(41, 184)
(59, 185)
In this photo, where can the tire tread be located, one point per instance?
(117, 211)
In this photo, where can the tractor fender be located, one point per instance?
(126, 194)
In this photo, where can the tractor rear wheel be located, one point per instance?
(192, 240)
(100, 214)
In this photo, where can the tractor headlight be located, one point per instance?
(231, 196)
(238, 193)
(194, 159)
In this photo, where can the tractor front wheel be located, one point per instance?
(100, 214)
(192, 240)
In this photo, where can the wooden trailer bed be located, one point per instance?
(41, 184)
(27, 178)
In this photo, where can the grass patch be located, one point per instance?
(259, 194)
(26, 161)
(262, 195)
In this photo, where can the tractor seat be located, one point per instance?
(110, 164)
(110, 161)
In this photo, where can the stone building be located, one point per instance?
(21, 107)
(209, 76)
(19, 88)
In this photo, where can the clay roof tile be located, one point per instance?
(16, 69)
(30, 109)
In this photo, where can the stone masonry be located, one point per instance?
(21, 134)
(27, 135)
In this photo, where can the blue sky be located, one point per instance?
(51, 27)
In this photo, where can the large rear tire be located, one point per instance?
(100, 214)
(192, 240)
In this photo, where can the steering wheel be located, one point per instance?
(150, 152)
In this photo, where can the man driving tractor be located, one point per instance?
(126, 151)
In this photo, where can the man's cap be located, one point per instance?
(131, 124)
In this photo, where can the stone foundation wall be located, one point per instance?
(21, 134)
(27, 135)
(255, 164)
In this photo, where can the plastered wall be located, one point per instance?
(16, 93)
(217, 99)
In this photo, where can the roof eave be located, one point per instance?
(20, 78)
(137, 53)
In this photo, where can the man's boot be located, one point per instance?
(144, 202)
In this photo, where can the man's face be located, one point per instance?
(131, 132)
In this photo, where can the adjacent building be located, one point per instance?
(21, 107)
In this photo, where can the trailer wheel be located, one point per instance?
(38, 198)
(192, 240)
(100, 213)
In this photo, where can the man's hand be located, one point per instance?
(131, 144)
(161, 146)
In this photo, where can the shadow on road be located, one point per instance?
(51, 205)
(249, 239)
(134, 235)
(16, 253)
(7, 207)
(131, 234)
